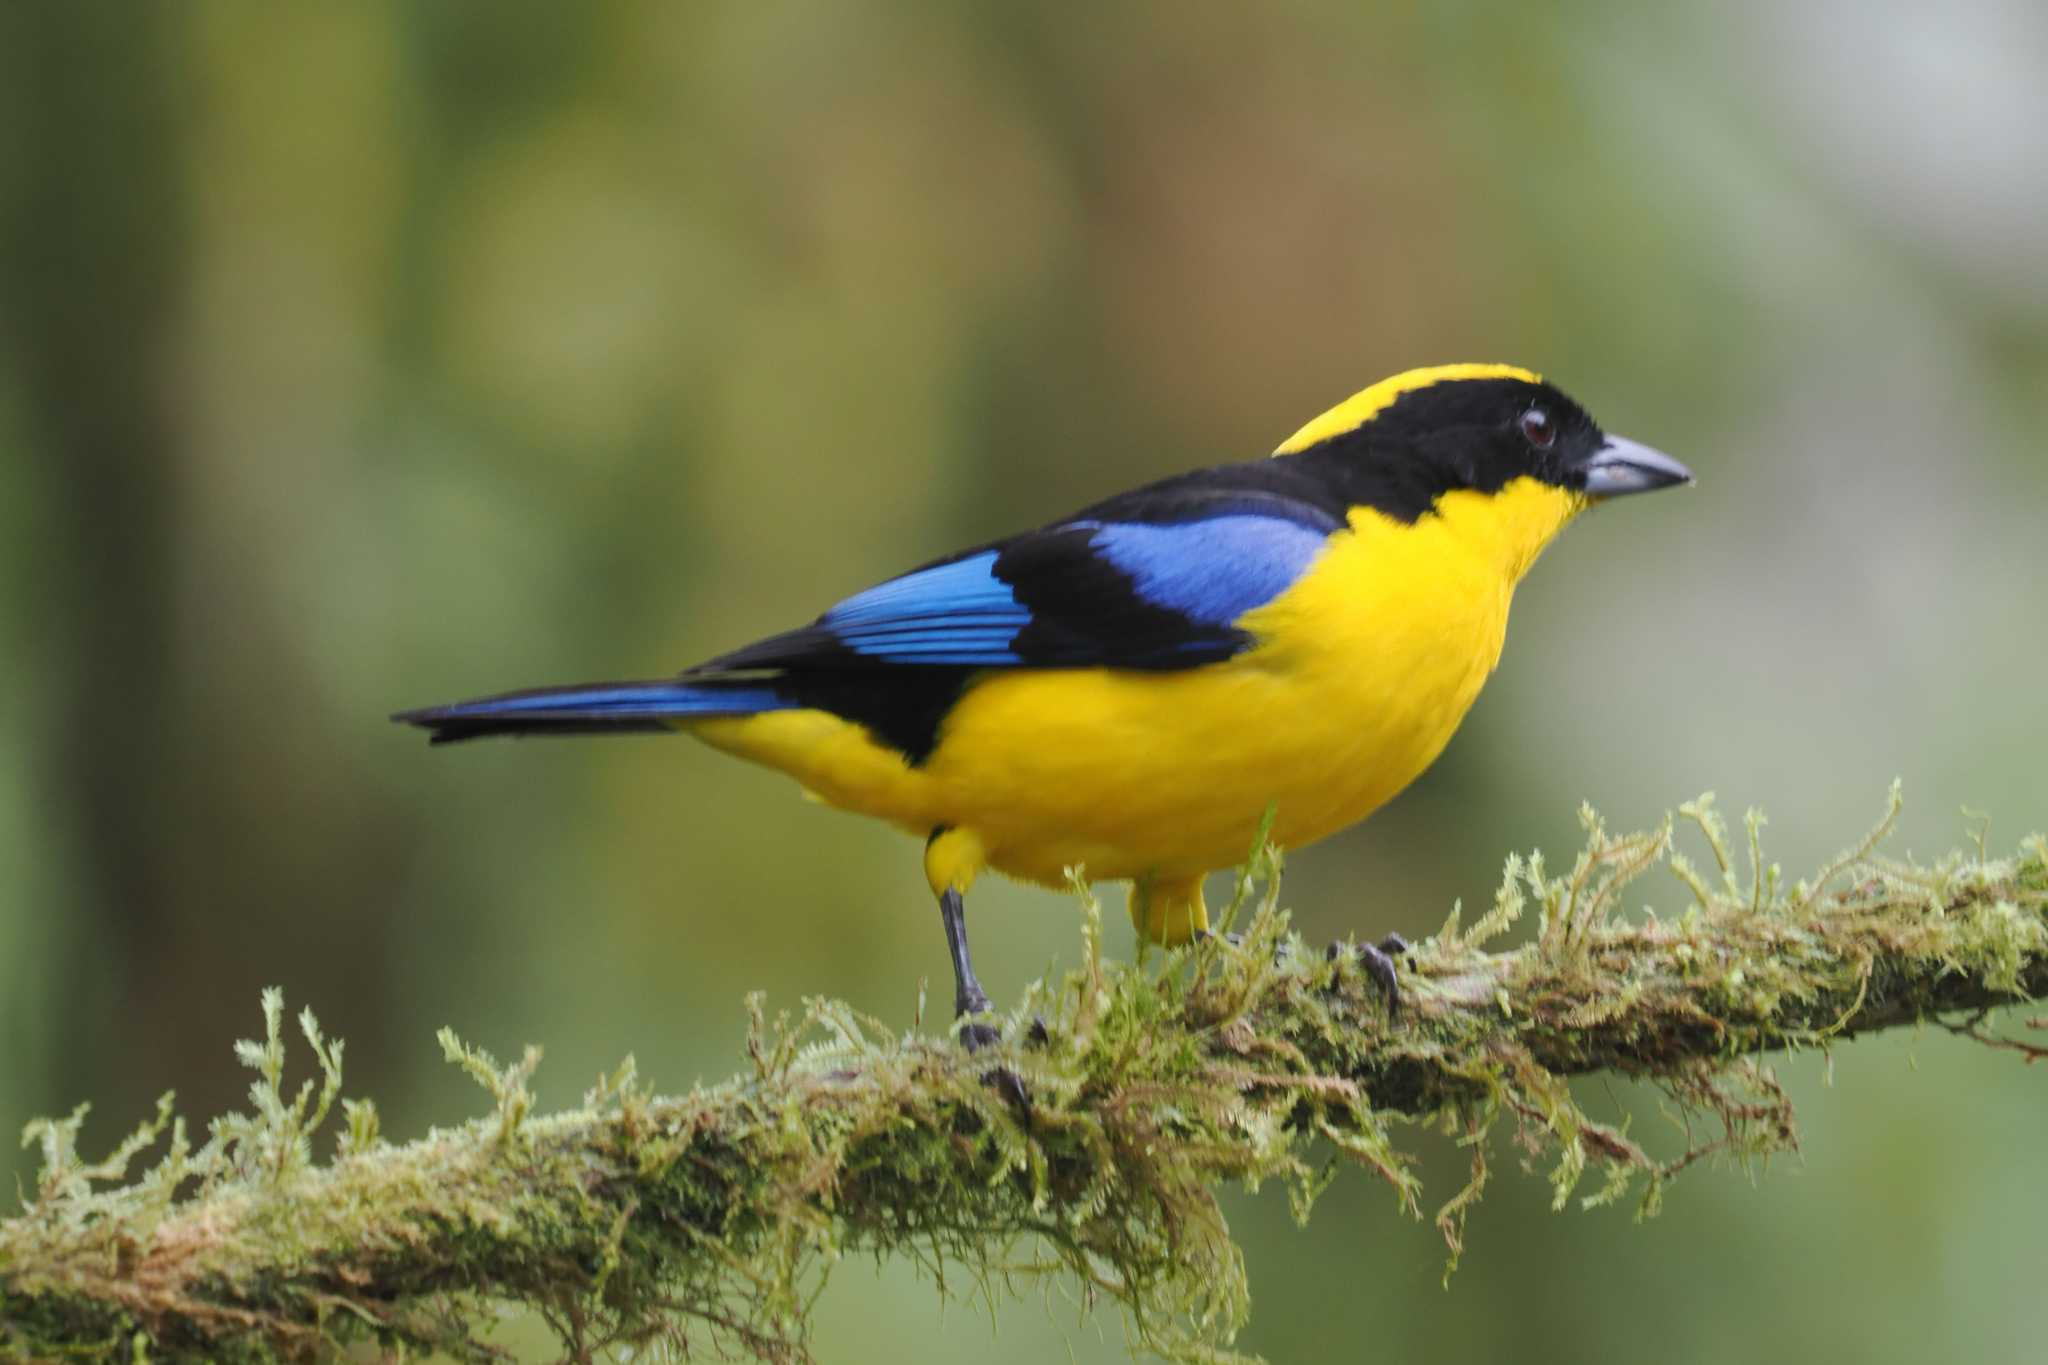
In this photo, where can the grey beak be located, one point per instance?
(1625, 466)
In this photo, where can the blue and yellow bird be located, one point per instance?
(1128, 690)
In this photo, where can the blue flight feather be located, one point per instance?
(955, 613)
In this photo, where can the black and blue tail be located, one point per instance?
(594, 709)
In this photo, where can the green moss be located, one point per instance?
(707, 1221)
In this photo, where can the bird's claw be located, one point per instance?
(971, 1009)
(976, 1035)
(1379, 965)
(1010, 1086)
(1377, 959)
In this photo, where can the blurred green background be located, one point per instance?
(361, 357)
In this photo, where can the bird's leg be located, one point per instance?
(970, 1003)
(969, 999)
(1169, 910)
(953, 857)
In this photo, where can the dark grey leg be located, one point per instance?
(968, 996)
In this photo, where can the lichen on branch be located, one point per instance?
(1088, 1147)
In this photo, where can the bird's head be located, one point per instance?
(1481, 427)
(1491, 447)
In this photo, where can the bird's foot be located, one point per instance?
(1378, 961)
(1010, 1086)
(977, 1033)
(971, 1009)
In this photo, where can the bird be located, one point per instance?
(1130, 692)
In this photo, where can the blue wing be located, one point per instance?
(1103, 590)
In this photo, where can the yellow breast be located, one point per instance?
(1363, 670)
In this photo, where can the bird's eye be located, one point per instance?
(1538, 428)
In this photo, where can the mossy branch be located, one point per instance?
(705, 1221)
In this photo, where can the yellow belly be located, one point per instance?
(1363, 670)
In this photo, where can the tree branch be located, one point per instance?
(703, 1221)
